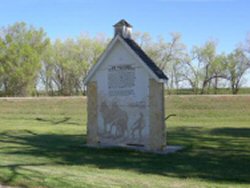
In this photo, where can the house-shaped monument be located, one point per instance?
(125, 91)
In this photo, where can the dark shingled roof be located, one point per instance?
(123, 22)
(149, 62)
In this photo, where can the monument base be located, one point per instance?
(166, 150)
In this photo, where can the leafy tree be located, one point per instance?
(205, 68)
(46, 71)
(143, 39)
(205, 57)
(20, 60)
(68, 62)
(237, 65)
(191, 74)
(1, 67)
(168, 55)
(218, 71)
(28, 61)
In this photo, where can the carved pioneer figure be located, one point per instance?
(138, 126)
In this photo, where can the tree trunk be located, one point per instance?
(215, 85)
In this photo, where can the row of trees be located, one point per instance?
(30, 64)
(203, 69)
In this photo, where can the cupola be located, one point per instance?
(123, 28)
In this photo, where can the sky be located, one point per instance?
(226, 21)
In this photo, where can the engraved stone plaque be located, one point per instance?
(121, 80)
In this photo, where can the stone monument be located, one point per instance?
(125, 91)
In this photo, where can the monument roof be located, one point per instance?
(123, 22)
(130, 44)
(146, 59)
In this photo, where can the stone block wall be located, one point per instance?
(157, 137)
(92, 125)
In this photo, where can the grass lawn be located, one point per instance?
(41, 146)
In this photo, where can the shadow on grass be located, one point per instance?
(216, 155)
(65, 120)
(234, 132)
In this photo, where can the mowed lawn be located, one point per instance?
(42, 145)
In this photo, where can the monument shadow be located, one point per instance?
(220, 159)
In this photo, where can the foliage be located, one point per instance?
(237, 65)
(21, 49)
(169, 56)
(66, 64)
(31, 65)
(202, 69)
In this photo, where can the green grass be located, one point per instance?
(219, 91)
(41, 145)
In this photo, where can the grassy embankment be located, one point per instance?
(219, 91)
(41, 146)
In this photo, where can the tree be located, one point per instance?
(67, 63)
(191, 74)
(1, 66)
(205, 57)
(20, 60)
(205, 68)
(246, 49)
(90, 50)
(218, 71)
(169, 56)
(237, 65)
(143, 39)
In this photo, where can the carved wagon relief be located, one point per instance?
(121, 126)
(115, 121)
